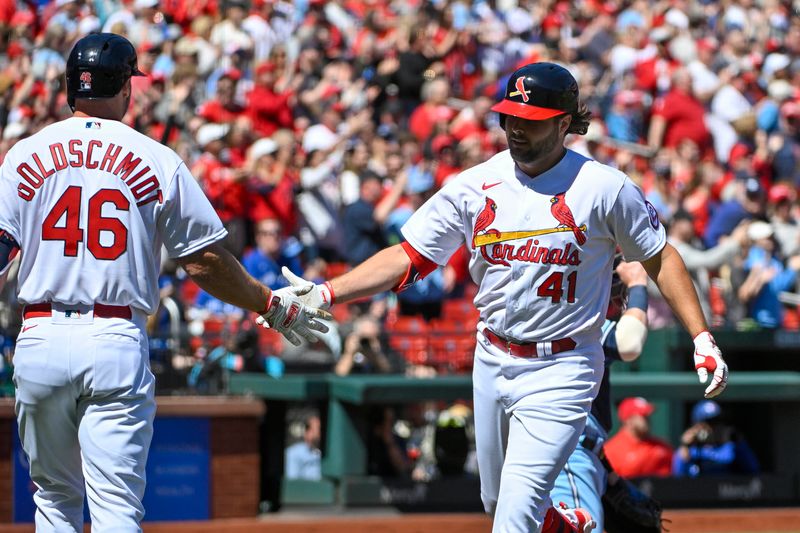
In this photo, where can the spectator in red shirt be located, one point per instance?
(678, 115)
(268, 107)
(239, 138)
(223, 109)
(222, 184)
(272, 184)
(210, 139)
(443, 149)
(472, 120)
(633, 452)
(433, 109)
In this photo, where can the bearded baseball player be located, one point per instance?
(89, 202)
(550, 220)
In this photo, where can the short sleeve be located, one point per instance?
(436, 229)
(9, 203)
(635, 224)
(187, 222)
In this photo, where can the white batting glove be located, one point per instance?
(708, 358)
(287, 314)
(318, 296)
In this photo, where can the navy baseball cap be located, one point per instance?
(539, 91)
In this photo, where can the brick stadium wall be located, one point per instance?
(6, 492)
(235, 462)
(235, 467)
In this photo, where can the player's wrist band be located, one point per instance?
(328, 286)
(269, 296)
(637, 297)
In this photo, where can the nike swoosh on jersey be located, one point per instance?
(486, 187)
(26, 328)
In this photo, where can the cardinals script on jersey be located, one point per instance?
(538, 245)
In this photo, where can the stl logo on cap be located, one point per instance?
(520, 86)
(86, 81)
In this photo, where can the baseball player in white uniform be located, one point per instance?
(89, 202)
(542, 223)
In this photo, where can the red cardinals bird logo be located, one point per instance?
(520, 86)
(485, 219)
(562, 213)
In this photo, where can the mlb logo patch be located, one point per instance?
(86, 81)
(92, 125)
(652, 214)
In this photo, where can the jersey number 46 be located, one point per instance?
(69, 207)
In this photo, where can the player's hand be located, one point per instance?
(287, 314)
(317, 296)
(708, 358)
(632, 273)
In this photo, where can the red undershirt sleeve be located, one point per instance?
(420, 267)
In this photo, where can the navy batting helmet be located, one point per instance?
(99, 65)
(537, 92)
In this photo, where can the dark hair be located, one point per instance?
(682, 214)
(368, 175)
(580, 120)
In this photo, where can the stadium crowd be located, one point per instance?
(316, 128)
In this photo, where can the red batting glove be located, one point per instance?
(708, 358)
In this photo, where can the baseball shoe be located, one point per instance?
(577, 519)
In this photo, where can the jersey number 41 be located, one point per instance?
(553, 287)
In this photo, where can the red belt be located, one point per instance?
(100, 311)
(529, 349)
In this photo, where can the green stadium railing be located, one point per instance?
(349, 397)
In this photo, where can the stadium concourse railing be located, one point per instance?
(763, 396)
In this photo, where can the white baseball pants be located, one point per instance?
(529, 415)
(85, 407)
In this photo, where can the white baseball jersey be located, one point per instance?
(541, 248)
(90, 202)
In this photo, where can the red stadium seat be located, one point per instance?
(413, 347)
(791, 319)
(407, 324)
(460, 309)
(453, 352)
(213, 328)
(456, 307)
(270, 342)
(341, 313)
(189, 290)
(452, 325)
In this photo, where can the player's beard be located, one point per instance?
(533, 152)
